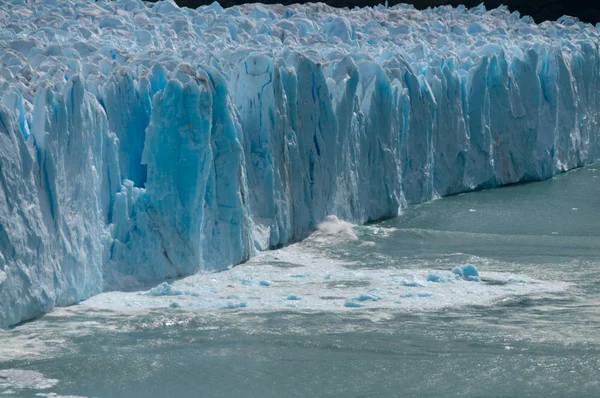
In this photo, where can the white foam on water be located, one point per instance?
(299, 277)
(294, 280)
(333, 226)
(18, 379)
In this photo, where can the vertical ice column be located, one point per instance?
(449, 138)
(126, 102)
(226, 226)
(348, 198)
(179, 156)
(257, 93)
(379, 174)
(417, 180)
(158, 231)
(52, 231)
(25, 271)
(312, 143)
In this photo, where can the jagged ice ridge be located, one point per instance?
(140, 142)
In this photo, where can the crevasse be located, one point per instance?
(143, 142)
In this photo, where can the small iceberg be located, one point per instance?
(467, 272)
(367, 297)
(410, 283)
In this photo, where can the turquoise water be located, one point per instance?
(531, 327)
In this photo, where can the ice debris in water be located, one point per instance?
(262, 283)
(410, 282)
(143, 141)
(232, 306)
(164, 289)
(367, 297)
(300, 276)
(416, 294)
(25, 380)
(467, 272)
(440, 277)
(352, 304)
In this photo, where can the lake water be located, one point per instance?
(364, 311)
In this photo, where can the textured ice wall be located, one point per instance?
(140, 142)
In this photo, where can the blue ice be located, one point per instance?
(145, 142)
(467, 272)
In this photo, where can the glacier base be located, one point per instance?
(145, 142)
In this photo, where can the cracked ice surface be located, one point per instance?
(142, 142)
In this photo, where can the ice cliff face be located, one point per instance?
(140, 142)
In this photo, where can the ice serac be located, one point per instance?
(146, 142)
(52, 208)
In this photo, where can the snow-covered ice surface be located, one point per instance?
(145, 142)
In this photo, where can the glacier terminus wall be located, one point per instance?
(140, 142)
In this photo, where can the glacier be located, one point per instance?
(143, 141)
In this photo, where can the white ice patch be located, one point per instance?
(299, 278)
(17, 379)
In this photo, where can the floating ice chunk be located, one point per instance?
(467, 272)
(367, 297)
(411, 282)
(440, 277)
(232, 305)
(251, 282)
(352, 304)
(164, 289)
